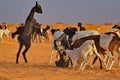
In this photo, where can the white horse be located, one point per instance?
(81, 54)
(1, 35)
(57, 36)
(6, 33)
(81, 34)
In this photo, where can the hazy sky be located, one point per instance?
(66, 11)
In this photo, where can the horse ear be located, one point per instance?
(36, 3)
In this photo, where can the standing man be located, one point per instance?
(81, 28)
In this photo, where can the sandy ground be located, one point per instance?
(37, 67)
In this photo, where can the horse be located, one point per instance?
(6, 32)
(81, 34)
(41, 32)
(70, 31)
(45, 33)
(108, 42)
(87, 49)
(116, 27)
(58, 38)
(1, 35)
(37, 30)
(25, 37)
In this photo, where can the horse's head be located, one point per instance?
(54, 30)
(116, 27)
(38, 8)
(48, 27)
(62, 43)
(70, 31)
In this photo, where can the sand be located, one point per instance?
(38, 68)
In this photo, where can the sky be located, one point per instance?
(65, 11)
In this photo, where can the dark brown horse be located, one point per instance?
(25, 38)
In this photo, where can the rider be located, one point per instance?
(80, 26)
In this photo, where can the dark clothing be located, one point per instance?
(82, 28)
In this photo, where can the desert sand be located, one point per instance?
(38, 68)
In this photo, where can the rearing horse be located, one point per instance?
(25, 38)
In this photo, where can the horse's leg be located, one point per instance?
(34, 35)
(74, 64)
(100, 64)
(53, 47)
(57, 55)
(118, 51)
(70, 60)
(94, 60)
(47, 36)
(84, 63)
(18, 53)
(101, 61)
(24, 52)
(39, 37)
(81, 65)
(50, 61)
(111, 60)
(96, 57)
(106, 57)
(118, 60)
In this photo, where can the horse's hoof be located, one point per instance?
(16, 61)
(12, 35)
(107, 70)
(101, 67)
(91, 66)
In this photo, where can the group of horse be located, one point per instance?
(69, 39)
(38, 34)
(4, 33)
(107, 45)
